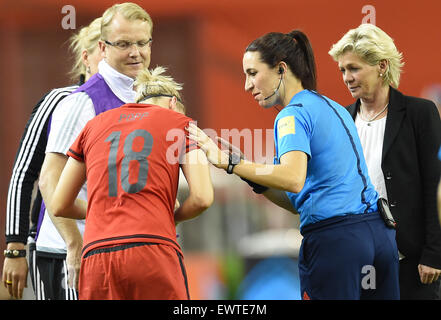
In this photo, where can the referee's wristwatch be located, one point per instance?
(14, 253)
(233, 160)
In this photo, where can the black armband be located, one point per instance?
(257, 188)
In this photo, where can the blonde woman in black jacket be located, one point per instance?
(400, 136)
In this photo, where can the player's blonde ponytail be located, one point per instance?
(153, 83)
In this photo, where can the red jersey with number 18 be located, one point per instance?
(132, 157)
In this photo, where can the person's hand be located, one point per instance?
(73, 261)
(218, 158)
(428, 274)
(231, 148)
(15, 272)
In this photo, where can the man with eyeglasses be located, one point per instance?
(126, 38)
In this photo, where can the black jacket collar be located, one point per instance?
(396, 103)
(395, 115)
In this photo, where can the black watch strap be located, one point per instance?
(230, 167)
(14, 253)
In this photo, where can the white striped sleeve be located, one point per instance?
(27, 165)
(68, 119)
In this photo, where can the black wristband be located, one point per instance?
(14, 253)
(257, 188)
(230, 168)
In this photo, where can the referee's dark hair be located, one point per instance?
(294, 49)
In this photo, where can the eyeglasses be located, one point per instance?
(124, 44)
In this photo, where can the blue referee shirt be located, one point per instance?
(337, 181)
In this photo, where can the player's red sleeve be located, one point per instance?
(76, 149)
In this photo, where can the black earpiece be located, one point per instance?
(280, 70)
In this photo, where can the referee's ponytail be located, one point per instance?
(294, 49)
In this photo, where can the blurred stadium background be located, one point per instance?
(242, 247)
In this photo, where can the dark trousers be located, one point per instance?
(48, 273)
(349, 258)
(411, 287)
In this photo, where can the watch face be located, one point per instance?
(235, 158)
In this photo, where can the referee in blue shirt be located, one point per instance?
(348, 251)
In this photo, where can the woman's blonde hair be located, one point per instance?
(152, 84)
(372, 45)
(86, 39)
(130, 11)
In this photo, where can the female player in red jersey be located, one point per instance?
(131, 157)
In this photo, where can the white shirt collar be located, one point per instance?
(120, 84)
